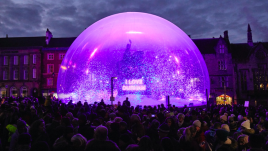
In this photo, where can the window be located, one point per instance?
(4, 75)
(34, 58)
(260, 79)
(26, 59)
(221, 48)
(15, 75)
(24, 91)
(5, 60)
(222, 65)
(49, 81)
(25, 75)
(34, 73)
(61, 56)
(50, 68)
(13, 92)
(16, 60)
(50, 56)
(223, 81)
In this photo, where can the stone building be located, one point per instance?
(238, 71)
(20, 62)
(52, 55)
(250, 70)
(218, 58)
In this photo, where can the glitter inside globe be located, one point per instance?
(137, 55)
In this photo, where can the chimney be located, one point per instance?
(250, 42)
(6, 35)
(48, 36)
(226, 35)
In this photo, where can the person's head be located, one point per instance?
(145, 143)
(155, 124)
(225, 127)
(217, 125)
(134, 118)
(100, 133)
(245, 124)
(236, 135)
(197, 125)
(118, 119)
(33, 111)
(262, 119)
(242, 140)
(181, 117)
(75, 122)
(21, 126)
(133, 147)
(256, 141)
(170, 121)
(166, 144)
(78, 141)
(180, 132)
(38, 126)
(82, 119)
(163, 130)
(221, 135)
(70, 115)
(223, 118)
(240, 118)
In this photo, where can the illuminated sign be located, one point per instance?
(134, 85)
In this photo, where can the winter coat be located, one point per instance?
(229, 145)
(248, 131)
(96, 145)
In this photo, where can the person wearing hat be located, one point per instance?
(223, 119)
(163, 130)
(245, 128)
(223, 142)
(181, 123)
(21, 128)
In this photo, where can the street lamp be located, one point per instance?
(112, 90)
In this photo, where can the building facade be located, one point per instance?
(20, 72)
(238, 72)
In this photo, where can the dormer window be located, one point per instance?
(221, 48)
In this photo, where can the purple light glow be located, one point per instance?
(151, 58)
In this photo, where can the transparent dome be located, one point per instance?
(148, 57)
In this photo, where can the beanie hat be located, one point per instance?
(240, 117)
(222, 134)
(163, 128)
(223, 117)
(246, 124)
(181, 115)
(225, 127)
(80, 139)
(230, 118)
(197, 123)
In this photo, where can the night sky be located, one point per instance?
(200, 19)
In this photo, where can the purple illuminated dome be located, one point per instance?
(150, 57)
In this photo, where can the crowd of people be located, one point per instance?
(31, 124)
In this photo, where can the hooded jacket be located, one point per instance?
(230, 144)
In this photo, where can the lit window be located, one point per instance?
(4, 75)
(34, 73)
(221, 48)
(15, 75)
(34, 59)
(50, 68)
(50, 81)
(25, 75)
(16, 60)
(5, 60)
(61, 56)
(26, 59)
(50, 56)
